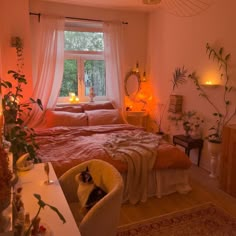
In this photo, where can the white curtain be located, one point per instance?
(114, 47)
(48, 62)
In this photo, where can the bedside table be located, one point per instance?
(138, 118)
(189, 143)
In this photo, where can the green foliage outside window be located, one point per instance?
(84, 41)
(78, 45)
(70, 78)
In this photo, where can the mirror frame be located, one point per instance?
(128, 75)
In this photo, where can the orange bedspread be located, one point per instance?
(66, 147)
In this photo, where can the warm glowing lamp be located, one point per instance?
(209, 82)
(73, 98)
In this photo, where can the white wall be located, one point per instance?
(14, 21)
(177, 41)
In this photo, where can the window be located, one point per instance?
(84, 64)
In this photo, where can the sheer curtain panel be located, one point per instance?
(114, 46)
(48, 62)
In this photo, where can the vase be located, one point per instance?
(214, 151)
(91, 94)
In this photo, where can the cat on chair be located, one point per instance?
(88, 193)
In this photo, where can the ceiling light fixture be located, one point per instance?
(151, 2)
(182, 8)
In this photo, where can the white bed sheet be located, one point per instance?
(165, 182)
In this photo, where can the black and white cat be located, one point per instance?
(88, 193)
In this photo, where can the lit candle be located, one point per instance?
(209, 82)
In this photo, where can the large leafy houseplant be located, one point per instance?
(224, 116)
(21, 137)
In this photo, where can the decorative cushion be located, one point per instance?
(96, 106)
(74, 109)
(61, 118)
(104, 117)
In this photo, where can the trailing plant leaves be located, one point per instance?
(42, 204)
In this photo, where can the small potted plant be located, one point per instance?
(191, 123)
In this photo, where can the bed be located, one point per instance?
(70, 135)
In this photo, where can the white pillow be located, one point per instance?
(104, 117)
(61, 118)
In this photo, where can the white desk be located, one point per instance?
(32, 181)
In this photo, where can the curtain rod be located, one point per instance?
(73, 18)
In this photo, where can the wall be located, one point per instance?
(177, 41)
(14, 21)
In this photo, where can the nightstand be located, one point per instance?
(189, 143)
(138, 118)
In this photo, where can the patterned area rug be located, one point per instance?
(204, 220)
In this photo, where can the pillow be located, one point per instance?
(61, 118)
(96, 106)
(74, 109)
(104, 117)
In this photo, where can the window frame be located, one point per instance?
(81, 57)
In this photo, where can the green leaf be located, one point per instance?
(43, 204)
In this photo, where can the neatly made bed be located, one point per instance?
(148, 165)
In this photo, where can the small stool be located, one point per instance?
(189, 143)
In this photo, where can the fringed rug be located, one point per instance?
(203, 220)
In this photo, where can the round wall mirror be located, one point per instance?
(132, 83)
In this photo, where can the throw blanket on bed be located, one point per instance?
(139, 151)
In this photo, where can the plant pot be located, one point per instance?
(214, 150)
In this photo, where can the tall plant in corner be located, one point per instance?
(21, 137)
(223, 117)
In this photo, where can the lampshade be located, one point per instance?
(187, 7)
(150, 2)
(182, 8)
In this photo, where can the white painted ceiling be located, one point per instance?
(133, 5)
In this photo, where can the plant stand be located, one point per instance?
(215, 151)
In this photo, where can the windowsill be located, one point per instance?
(76, 104)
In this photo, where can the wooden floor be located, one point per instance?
(204, 189)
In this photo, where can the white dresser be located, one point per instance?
(32, 181)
